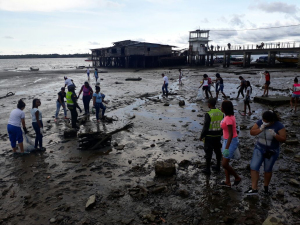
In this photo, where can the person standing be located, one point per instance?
(211, 135)
(98, 99)
(296, 94)
(16, 118)
(165, 84)
(60, 102)
(87, 96)
(270, 133)
(180, 77)
(230, 143)
(247, 98)
(68, 82)
(241, 87)
(72, 105)
(37, 124)
(96, 74)
(267, 84)
(205, 85)
(88, 73)
(219, 86)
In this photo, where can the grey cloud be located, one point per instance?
(94, 43)
(184, 39)
(236, 20)
(274, 7)
(223, 19)
(205, 20)
(8, 37)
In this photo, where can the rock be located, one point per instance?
(70, 133)
(181, 103)
(52, 220)
(120, 147)
(184, 163)
(183, 193)
(165, 168)
(287, 151)
(167, 104)
(129, 161)
(294, 182)
(243, 127)
(297, 210)
(193, 110)
(158, 189)
(199, 115)
(150, 217)
(284, 169)
(91, 202)
(135, 109)
(272, 220)
(280, 192)
(292, 142)
(228, 219)
(152, 145)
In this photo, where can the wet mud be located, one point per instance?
(119, 180)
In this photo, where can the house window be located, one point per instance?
(148, 49)
(113, 50)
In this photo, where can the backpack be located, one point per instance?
(209, 80)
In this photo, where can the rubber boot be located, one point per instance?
(207, 169)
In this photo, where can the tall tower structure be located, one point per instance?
(198, 42)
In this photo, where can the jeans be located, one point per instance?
(232, 147)
(99, 106)
(86, 103)
(58, 105)
(39, 136)
(165, 89)
(258, 158)
(74, 116)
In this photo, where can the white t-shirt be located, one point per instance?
(15, 117)
(88, 71)
(205, 82)
(33, 111)
(248, 89)
(166, 80)
(68, 82)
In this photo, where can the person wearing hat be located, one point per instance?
(87, 96)
(72, 105)
(60, 102)
(267, 84)
(211, 135)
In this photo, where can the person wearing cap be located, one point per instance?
(72, 105)
(267, 84)
(98, 98)
(211, 135)
(60, 102)
(68, 82)
(87, 96)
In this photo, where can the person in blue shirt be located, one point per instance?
(96, 74)
(270, 133)
(98, 99)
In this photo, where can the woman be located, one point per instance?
(98, 98)
(230, 143)
(60, 102)
(247, 98)
(205, 85)
(241, 87)
(296, 94)
(16, 118)
(219, 85)
(180, 77)
(270, 133)
(267, 84)
(96, 74)
(86, 98)
(37, 124)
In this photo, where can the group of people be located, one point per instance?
(217, 123)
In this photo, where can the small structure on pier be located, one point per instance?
(134, 54)
(198, 45)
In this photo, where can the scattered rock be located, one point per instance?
(193, 110)
(52, 220)
(280, 192)
(152, 145)
(166, 104)
(181, 103)
(272, 220)
(91, 202)
(288, 150)
(120, 147)
(165, 168)
(150, 217)
(159, 189)
(70, 133)
(199, 115)
(292, 142)
(183, 193)
(294, 182)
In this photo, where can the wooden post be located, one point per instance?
(211, 60)
(269, 57)
(224, 60)
(245, 59)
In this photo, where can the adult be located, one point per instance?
(270, 133)
(60, 102)
(267, 84)
(296, 94)
(96, 74)
(87, 96)
(88, 73)
(205, 87)
(219, 85)
(180, 77)
(211, 135)
(98, 99)
(165, 85)
(37, 124)
(68, 81)
(247, 98)
(72, 105)
(230, 143)
(229, 45)
(16, 118)
(242, 87)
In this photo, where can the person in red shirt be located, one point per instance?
(267, 84)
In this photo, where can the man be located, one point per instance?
(60, 102)
(267, 84)
(68, 81)
(211, 135)
(180, 77)
(165, 85)
(88, 73)
(242, 87)
(72, 105)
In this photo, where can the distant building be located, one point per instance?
(198, 44)
(134, 54)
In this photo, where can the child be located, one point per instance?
(180, 77)
(205, 85)
(296, 94)
(247, 98)
(98, 98)
(219, 86)
(37, 124)
(267, 84)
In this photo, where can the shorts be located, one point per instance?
(267, 82)
(258, 158)
(295, 96)
(247, 100)
(220, 88)
(204, 88)
(15, 135)
(232, 147)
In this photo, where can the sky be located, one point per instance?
(76, 26)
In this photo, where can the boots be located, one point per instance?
(217, 167)
(207, 169)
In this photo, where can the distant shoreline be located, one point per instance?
(32, 56)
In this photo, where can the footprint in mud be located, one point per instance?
(95, 169)
(61, 147)
(60, 175)
(80, 170)
(79, 177)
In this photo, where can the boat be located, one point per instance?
(236, 61)
(33, 68)
(89, 59)
(287, 59)
(80, 67)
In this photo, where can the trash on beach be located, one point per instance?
(34, 68)
(28, 143)
(133, 79)
(8, 95)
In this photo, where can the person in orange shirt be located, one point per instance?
(267, 84)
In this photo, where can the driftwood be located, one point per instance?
(96, 140)
(7, 95)
(133, 79)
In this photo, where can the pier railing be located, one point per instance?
(270, 45)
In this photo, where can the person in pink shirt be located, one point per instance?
(230, 143)
(296, 94)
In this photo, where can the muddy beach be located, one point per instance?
(119, 180)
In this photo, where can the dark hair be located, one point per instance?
(212, 101)
(267, 72)
(21, 104)
(71, 88)
(63, 88)
(163, 74)
(217, 75)
(270, 116)
(97, 88)
(205, 76)
(248, 84)
(34, 102)
(227, 107)
(86, 83)
(296, 80)
(241, 77)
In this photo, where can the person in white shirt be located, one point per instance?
(37, 124)
(88, 73)
(165, 85)
(247, 98)
(16, 118)
(180, 77)
(68, 82)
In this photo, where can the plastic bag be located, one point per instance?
(200, 94)
(28, 144)
(237, 154)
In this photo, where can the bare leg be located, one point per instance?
(224, 94)
(229, 171)
(254, 179)
(296, 102)
(21, 147)
(245, 108)
(249, 108)
(267, 178)
(217, 94)
(291, 102)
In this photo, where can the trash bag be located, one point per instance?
(200, 94)
(261, 80)
(28, 143)
(237, 154)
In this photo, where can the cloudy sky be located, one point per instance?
(75, 26)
